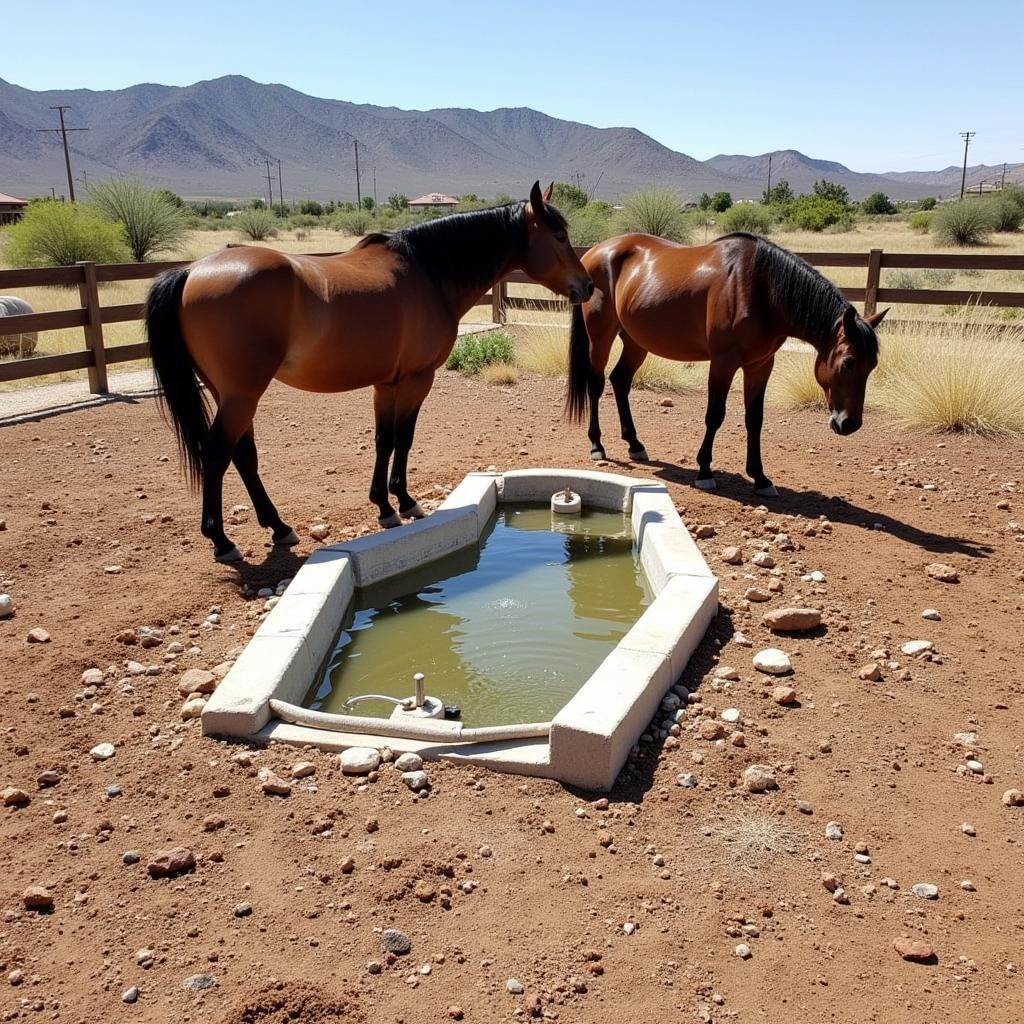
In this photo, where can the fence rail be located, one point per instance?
(96, 356)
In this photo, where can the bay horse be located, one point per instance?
(384, 315)
(732, 302)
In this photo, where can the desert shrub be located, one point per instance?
(793, 384)
(59, 234)
(937, 278)
(311, 208)
(831, 191)
(152, 222)
(780, 195)
(902, 279)
(1015, 194)
(1006, 214)
(353, 222)
(655, 211)
(502, 374)
(877, 202)
(256, 223)
(473, 352)
(721, 201)
(302, 220)
(966, 222)
(814, 213)
(747, 217)
(927, 203)
(568, 197)
(397, 201)
(920, 221)
(590, 224)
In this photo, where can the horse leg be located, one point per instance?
(412, 391)
(246, 461)
(384, 416)
(602, 326)
(233, 419)
(719, 381)
(755, 381)
(622, 380)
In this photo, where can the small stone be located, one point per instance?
(666, 403)
(968, 829)
(804, 807)
(763, 560)
(773, 662)
(47, 779)
(914, 950)
(302, 769)
(415, 780)
(243, 909)
(968, 886)
(38, 898)
(975, 766)
(196, 680)
(320, 531)
(711, 730)
(359, 760)
(38, 636)
(6, 606)
(731, 715)
(727, 673)
(394, 941)
(687, 780)
(374, 967)
(168, 863)
(925, 890)
(840, 896)
(1013, 798)
(14, 797)
(92, 677)
(131, 857)
(784, 695)
(870, 672)
(273, 785)
(833, 830)
(515, 987)
(704, 532)
(198, 982)
(409, 762)
(629, 928)
(732, 555)
(455, 1012)
(743, 951)
(942, 572)
(423, 890)
(757, 594)
(130, 995)
(192, 708)
(830, 881)
(758, 778)
(931, 614)
(792, 620)
(347, 866)
(913, 648)
(102, 752)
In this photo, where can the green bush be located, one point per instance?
(877, 202)
(831, 191)
(303, 220)
(257, 223)
(311, 208)
(568, 197)
(475, 351)
(1006, 214)
(59, 234)
(751, 217)
(780, 194)
(398, 202)
(152, 221)
(920, 221)
(928, 203)
(965, 222)
(656, 211)
(353, 222)
(721, 201)
(590, 224)
(814, 213)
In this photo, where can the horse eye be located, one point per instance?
(561, 238)
(848, 363)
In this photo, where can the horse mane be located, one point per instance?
(802, 295)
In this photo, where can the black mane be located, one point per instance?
(803, 296)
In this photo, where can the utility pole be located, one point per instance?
(280, 187)
(63, 132)
(966, 136)
(270, 187)
(1002, 180)
(768, 194)
(374, 184)
(359, 194)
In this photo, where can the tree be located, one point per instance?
(398, 202)
(152, 223)
(311, 207)
(705, 201)
(832, 191)
(568, 197)
(877, 202)
(780, 194)
(721, 201)
(368, 203)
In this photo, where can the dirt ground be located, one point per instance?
(693, 873)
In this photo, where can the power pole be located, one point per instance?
(280, 187)
(359, 194)
(270, 187)
(374, 184)
(63, 132)
(966, 136)
(1002, 180)
(768, 194)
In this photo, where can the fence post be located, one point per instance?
(498, 295)
(90, 298)
(874, 278)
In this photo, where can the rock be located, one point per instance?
(931, 614)
(830, 881)
(727, 672)
(14, 797)
(192, 708)
(925, 890)
(515, 987)
(243, 909)
(757, 594)
(131, 857)
(732, 556)
(394, 941)
(415, 780)
(870, 672)
(763, 560)
(6, 606)
(741, 640)
(198, 982)
(196, 680)
(968, 829)
(320, 531)
(743, 951)
(731, 716)
(773, 662)
(784, 695)
(303, 769)
(359, 760)
(792, 620)
(914, 950)
(1013, 798)
(168, 863)
(711, 730)
(914, 648)
(834, 831)
(705, 532)
(92, 677)
(409, 762)
(47, 779)
(102, 752)
(840, 897)
(666, 403)
(273, 785)
(38, 636)
(968, 886)
(758, 778)
(942, 572)
(37, 898)
(347, 866)
(423, 890)
(130, 995)
(687, 780)
(374, 967)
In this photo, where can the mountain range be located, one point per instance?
(213, 138)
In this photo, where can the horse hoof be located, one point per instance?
(290, 539)
(598, 455)
(231, 555)
(640, 455)
(414, 513)
(767, 492)
(710, 484)
(389, 522)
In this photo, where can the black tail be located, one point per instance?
(180, 393)
(580, 369)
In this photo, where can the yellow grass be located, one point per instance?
(504, 374)
(793, 384)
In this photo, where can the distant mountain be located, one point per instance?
(213, 138)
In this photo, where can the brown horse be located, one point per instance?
(732, 302)
(385, 314)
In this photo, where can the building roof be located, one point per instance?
(7, 200)
(434, 199)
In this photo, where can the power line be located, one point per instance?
(63, 132)
(966, 136)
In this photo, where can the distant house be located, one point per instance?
(434, 201)
(11, 209)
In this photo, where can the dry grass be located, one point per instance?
(793, 384)
(750, 840)
(502, 374)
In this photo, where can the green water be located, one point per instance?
(509, 631)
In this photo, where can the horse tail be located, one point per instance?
(181, 398)
(580, 369)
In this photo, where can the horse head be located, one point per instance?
(550, 258)
(843, 371)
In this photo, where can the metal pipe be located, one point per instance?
(421, 690)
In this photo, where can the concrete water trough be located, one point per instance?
(586, 742)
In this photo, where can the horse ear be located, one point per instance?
(876, 318)
(548, 191)
(536, 199)
(850, 322)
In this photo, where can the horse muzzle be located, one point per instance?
(843, 424)
(579, 293)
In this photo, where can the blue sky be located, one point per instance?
(877, 86)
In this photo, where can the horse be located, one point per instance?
(20, 345)
(732, 302)
(384, 315)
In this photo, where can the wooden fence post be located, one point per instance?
(874, 278)
(93, 329)
(498, 295)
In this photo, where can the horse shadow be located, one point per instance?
(278, 563)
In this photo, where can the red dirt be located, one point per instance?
(879, 758)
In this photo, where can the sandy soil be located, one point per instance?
(98, 488)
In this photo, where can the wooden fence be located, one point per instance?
(95, 357)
